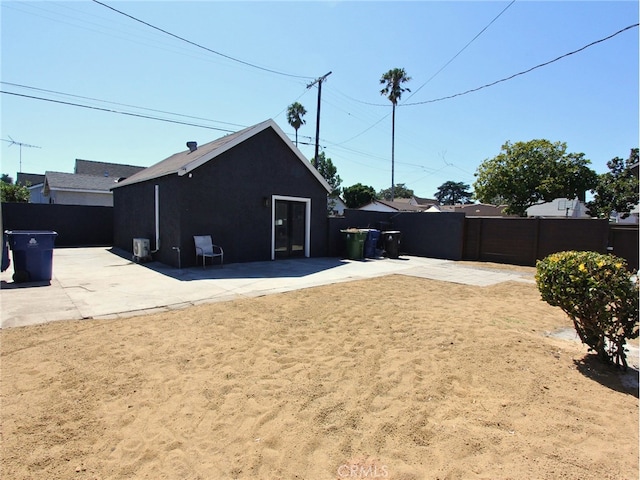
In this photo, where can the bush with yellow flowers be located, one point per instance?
(598, 293)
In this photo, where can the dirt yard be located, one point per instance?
(394, 377)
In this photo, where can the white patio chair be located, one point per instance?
(205, 248)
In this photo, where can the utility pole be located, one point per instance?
(319, 82)
(13, 142)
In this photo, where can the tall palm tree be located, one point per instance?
(295, 112)
(392, 81)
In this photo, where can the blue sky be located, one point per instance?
(588, 100)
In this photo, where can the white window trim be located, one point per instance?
(307, 221)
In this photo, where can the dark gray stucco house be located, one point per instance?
(253, 191)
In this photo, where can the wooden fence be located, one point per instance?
(452, 236)
(76, 225)
(512, 240)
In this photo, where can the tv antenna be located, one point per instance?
(20, 144)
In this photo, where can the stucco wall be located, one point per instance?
(80, 198)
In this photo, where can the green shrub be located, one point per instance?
(599, 295)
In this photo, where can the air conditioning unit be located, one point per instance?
(141, 250)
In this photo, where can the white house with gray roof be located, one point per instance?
(91, 183)
(74, 189)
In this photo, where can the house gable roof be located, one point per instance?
(424, 201)
(389, 206)
(73, 182)
(30, 178)
(476, 209)
(105, 169)
(184, 162)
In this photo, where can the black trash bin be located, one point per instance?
(32, 254)
(371, 243)
(391, 242)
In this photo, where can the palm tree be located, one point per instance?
(295, 112)
(392, 81)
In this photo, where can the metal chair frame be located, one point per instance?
(206, 249)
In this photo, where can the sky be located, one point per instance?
(240, 63)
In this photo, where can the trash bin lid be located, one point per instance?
(30, 232)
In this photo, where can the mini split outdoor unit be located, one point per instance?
(141, 250)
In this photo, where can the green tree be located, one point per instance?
(451, 193)
(399, 191)
(617, 190)
(6, 178)
(526, 173)
(329, 172)
(392, 81)
(358, 195)
(295, 112)
(13, 193)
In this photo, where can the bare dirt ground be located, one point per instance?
(394, 377)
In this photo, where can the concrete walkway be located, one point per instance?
(101, 282)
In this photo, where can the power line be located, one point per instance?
(497, 81)
(335, 144)
(198, 45)
(120, 30)
(108, 110)
(444, 66)
(120, 104)
(431, 78)
(462, 49)
(138, 115)
(368, 155)
(524, 71)
(487, 85)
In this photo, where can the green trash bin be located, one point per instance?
(355, 243)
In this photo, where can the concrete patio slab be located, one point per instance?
(101, 282)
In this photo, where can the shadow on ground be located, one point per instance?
(8, 285)
(298, 267)
(608, 375)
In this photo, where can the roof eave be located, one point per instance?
(250, 132)
(77, 190)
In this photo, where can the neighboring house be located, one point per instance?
(631, 218)
(34, 182)
(104, 169)
(253, 191)
(72, 189)
(90, 184)
(335, 206)
(560, 207)
(398, 205)
(434, 209)
(476, 209)
(425, 203)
